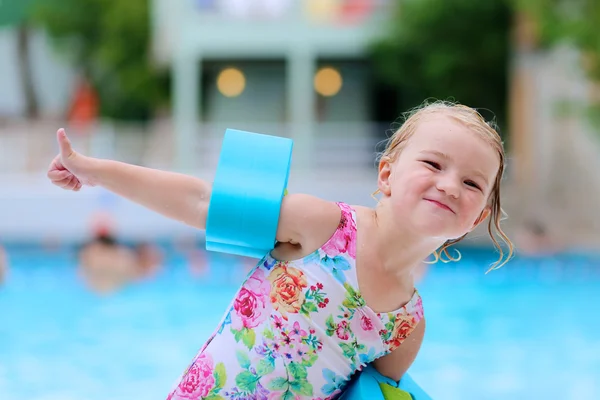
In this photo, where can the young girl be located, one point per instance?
(337, 291)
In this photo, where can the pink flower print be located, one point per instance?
(198, 380)
(286, 341)
(297, 332)
(366, 323)
(342, 331)
(291, 344)
(278, 322)
(252, 304)
(296, 352)
(419, 309)
(301, 352)
(363, 327)
(344, 238)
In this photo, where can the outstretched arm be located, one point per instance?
(304, 220)
(181, 197)
(177, 196)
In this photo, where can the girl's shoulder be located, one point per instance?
(307, 221)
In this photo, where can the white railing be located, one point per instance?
(28, 147)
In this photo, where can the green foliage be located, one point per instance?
(570, 21)
(109, 42)
(574, 22)
(14, 12)
(450, 50)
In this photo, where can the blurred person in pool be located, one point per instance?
(106, 265)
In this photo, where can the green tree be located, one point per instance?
(450, 50)
(568, 21)
(571, 22)
(15, 14)
(109, 43)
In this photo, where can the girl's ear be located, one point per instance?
(383, 177)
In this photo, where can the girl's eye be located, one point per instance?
(473, 184)
(433, 164)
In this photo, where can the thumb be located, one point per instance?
(64, 143)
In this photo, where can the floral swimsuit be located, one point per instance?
(297, 329)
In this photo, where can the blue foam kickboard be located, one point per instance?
(368, 386)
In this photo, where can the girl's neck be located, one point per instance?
(398, 248)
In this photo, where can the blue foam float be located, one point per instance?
(249, 185)
(243, 214)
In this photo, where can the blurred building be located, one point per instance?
(291, 68)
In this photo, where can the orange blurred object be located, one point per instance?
(84, 108)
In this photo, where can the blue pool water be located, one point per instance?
(528, 331)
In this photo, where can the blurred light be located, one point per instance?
(339, 11)
(231, 82)
(328, 81)
(323, 10)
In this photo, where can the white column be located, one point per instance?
(186, 102)
(523, 118)
(301, 103)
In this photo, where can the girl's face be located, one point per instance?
(441, 180)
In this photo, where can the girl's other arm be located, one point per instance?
(397, 363)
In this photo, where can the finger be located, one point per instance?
(64, 144)
(64, 183)
(58, 175)
(61, 182)
(73, 183)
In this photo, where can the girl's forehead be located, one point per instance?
(444, 134)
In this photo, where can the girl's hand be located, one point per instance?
(70, 170)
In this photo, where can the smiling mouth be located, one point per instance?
(441, 205)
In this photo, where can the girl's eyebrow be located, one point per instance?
(436, 153)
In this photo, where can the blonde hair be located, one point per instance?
(472, 119)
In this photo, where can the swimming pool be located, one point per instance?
(527, 331)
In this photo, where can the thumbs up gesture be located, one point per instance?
(69, 169)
